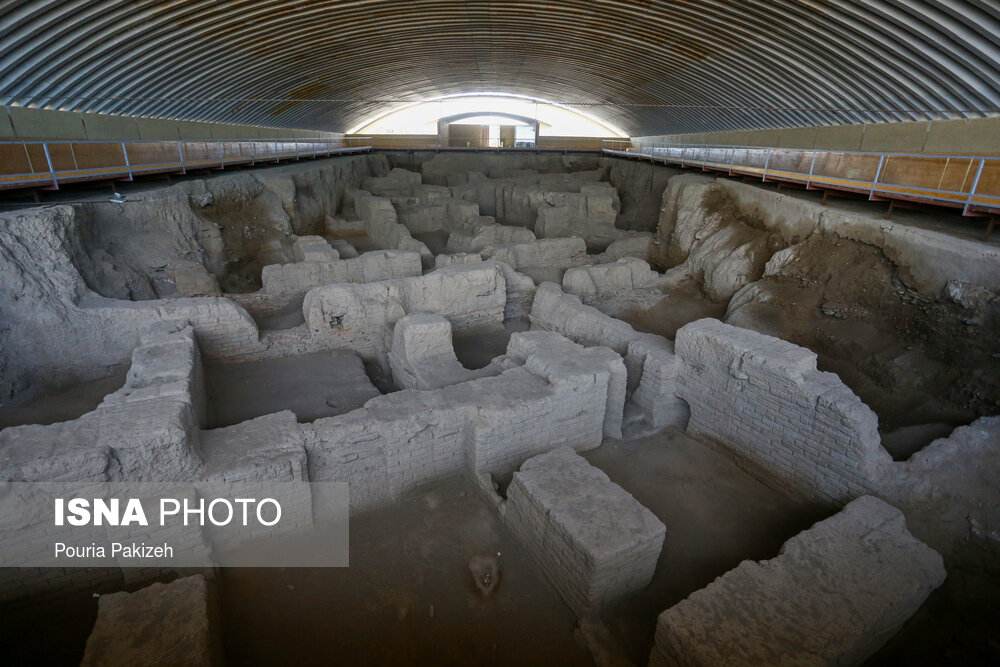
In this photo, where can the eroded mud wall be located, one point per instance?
(905, 313)
(640, 185)
(232, 225)
(70, 275)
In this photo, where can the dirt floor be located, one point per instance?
(287, 316)
(49, 633)
(716, 516)
(321, 384)
(959, 624)
(408, 597)
(61, 405)
(413, 555)
(435, 241)
(476, 349)
(678, 307)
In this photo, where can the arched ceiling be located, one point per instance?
(648, 66)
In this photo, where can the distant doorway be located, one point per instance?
(487, 130)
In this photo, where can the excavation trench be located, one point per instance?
(419, 324)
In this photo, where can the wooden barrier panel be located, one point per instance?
(49, 163)
(971, 182)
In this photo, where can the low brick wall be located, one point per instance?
(405, 441)
(561, 253)
(833, 595)
(222, 327)
(148, 431)
(162, 624)
(361, 316)
(145, 431)
(423, 356)
(605, 280)
(764, 399)
(590, 537)
(300, 277)
(383, 228)
(650, 360)
(553, 355)
(484, 235)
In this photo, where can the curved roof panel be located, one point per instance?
(647, 66)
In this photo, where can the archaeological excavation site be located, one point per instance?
(682, 350)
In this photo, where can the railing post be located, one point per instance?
(732, 159)
(277, 155)
(975, 184)
(218, 146)
(180, 153)
(48, 158)
(683, 156)
(878, 174)
(128, 165)
(252, 159)
(767, 164)
(812, 166)
(27, 158)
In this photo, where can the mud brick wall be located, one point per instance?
(360, 316)
(560, 253)
(300, 277)
(602, 280)
(383, 226)
(401, 442)
(485, 235)
(590, 537)
(764, 399)
(567, 412)
(223, 327)
(145, 431)
(654, 393)
(834, 594)
(556, 357)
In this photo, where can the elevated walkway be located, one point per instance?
(49, 164)
(969, 182)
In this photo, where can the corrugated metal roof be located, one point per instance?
(650, 67)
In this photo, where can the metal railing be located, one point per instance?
(969, 182)
(52, 163)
